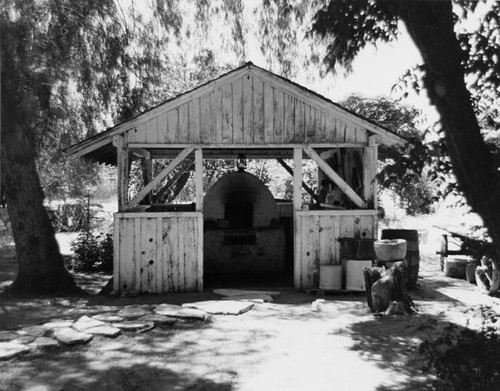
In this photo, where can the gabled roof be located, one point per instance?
(246, 107)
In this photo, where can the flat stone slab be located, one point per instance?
(133, 311)
(221, 307)
(25, 339)
(108, 317)
(34, 331)
(105, 331)
(240, 292)
(157, 319)
(133, 325)
(10, 350)
(69, 336)
(6, 336)
(252, 297)
(57, 324)
(45, 343)
(86, 322)
(176, 311)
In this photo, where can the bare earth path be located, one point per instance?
(285, 345)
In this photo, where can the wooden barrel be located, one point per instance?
(412, 260)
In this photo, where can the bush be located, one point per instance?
(93, 252)
(467, 360)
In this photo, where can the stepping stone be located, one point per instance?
(239, 292)
(69, 336)
(157, 319)
(132, 325)
(133, 311)
(108, 317)
(34, 331)
(105, 331)
(57, 324)
(10, 350)
(6, 336)
(45, 343)
(221, 307)
(26, 339)
(85, 323)
(176, 311)
(252, 297)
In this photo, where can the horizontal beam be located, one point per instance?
(330, 173)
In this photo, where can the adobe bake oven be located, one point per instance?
(241, 230)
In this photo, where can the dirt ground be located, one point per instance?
(284, 345)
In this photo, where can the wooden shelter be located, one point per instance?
(256, 113)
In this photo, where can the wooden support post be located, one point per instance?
(198, 168)
(161, 176)
(297, 178)
(304, 185)
(122, 159)
(370, 165)
(297, 206)
(335, 177)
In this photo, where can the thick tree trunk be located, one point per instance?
(430, 24)
(41, 267)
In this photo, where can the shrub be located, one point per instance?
(93, 252)
(466, 360)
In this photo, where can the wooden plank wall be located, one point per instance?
(316, 236)
(159, 252)
(248, 110)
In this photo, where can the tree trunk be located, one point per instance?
(41, 267)
(430, 24)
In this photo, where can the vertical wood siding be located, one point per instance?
(159, 252)
(317, 234)
(248, 110)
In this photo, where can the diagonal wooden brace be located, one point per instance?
(160, 177)
(330, 173)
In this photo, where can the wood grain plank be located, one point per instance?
(199, 285)
(152, 131)
(181, 262)
(159, 255)
(194, 120)
(218, 115)
(238, 111)
(173, 126)
(116, 253)
(279, 115)
(289, 126)
(162, 128)
(206, 118)
(268, 113)
(258, 111)
(227, 113)
(297, 260)
(248, 109)
(300, 112)
(137, 253)
(148, 255)
(127, 255)
(184, 135)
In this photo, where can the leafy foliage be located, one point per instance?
(93, 252)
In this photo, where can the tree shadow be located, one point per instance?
(392, 343)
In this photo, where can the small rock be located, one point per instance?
(6, 336)
(34, 331)
(176, 311)
(131, 325)
(133, 311)
(106, 331)
(69, 336)
(85, 323)
(57, 324)
(45, 343)
(157, 319)
(108, 317)
(10, 350)
(221, 307)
